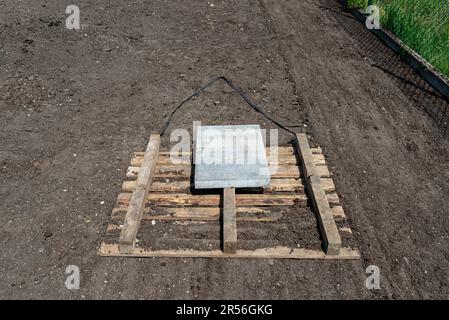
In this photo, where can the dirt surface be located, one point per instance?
(76, 104)
(296, 227)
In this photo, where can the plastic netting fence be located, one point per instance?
(423, 25)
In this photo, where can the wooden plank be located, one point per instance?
(166, 153)
(247, 214)
(328, 227)
(323, 171)
(174, 199)
(345, 229)
(111, 250)
(158, 186)
(163, 171)
(333, 199)
(138, 198)
(320, 203)
(338, 213)
(137, 160)
(282, 159)
(296, 185)
(229, 221)
(183, 186)
(184, 171)
(174, 171)
(281, 150)
(307, 165)
(132, 172)
(328, 185)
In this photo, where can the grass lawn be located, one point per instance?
(421, 24)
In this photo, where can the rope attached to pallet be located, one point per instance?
(233, 87)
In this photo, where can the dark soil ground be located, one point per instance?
(76, 104)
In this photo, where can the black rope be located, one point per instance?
(236, 89)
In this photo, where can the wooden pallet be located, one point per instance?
(156, 190)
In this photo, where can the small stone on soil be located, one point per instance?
(48, 234)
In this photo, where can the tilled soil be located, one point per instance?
(76, 104)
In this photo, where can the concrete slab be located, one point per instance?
(230, 156)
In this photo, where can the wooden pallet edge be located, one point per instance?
(182, 186)
(320, 202)
(138, 199)
(172, 199)
(244, 214)
(112, 250)
(281, 159)
(281, 150)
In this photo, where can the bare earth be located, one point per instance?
(76, 104)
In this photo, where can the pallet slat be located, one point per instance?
(248, 214)
(280, 150)
(111, 250)
(338, 213)
(137, 199)
(161, 199)
(276, 185)
(184, 171)
(320, 202)
(282, 159)
(253, 214)
(229, 221)
(157, 186)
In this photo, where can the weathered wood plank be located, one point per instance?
(338, 213)
(163, 199)
(253, 214)
(138, 198)
(320, 202)
(323, 171)
(333, 199)
(281, 159)
(179, 185)
(111, 250)
(183, 186)
(229, 227)
(163, 171)
(184, 171)
(158, 186)
(281, 150)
